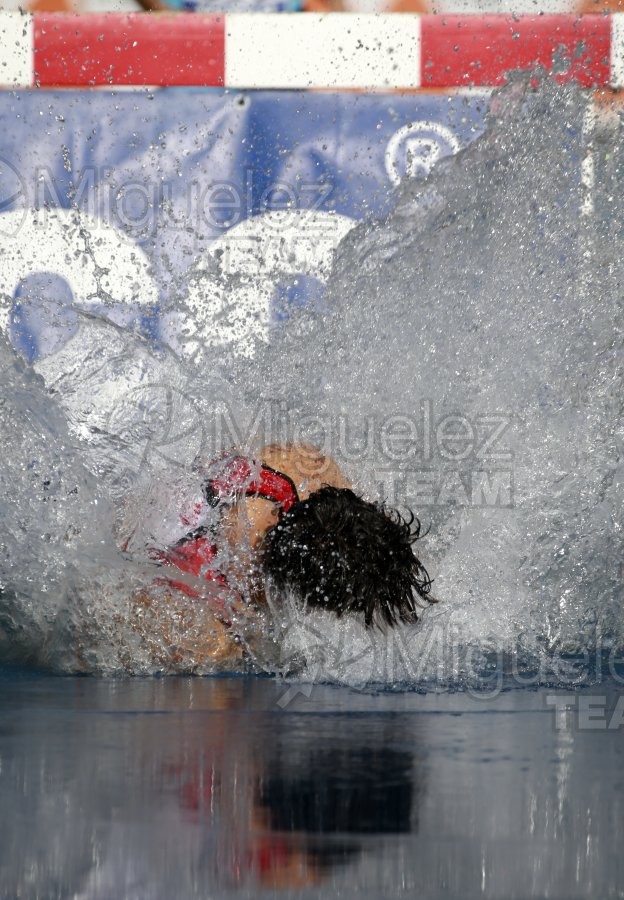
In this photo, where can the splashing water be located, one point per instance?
(466, 362)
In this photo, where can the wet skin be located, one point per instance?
(245, 525)
(183, 635)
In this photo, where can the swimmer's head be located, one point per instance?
(344, 554)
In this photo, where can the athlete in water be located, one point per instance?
(289, 520)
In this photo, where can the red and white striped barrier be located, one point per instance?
(333, 51)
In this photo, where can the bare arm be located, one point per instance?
(183, 634)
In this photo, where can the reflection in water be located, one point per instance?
(171, 784)
(189, 788)
(314, 801)
(291, 797)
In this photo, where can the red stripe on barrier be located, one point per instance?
(190, 49)
(134, 49)
(479, 50)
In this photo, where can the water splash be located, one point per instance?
(466, 362)
(490, 298)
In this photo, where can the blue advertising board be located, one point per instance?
(143, 203)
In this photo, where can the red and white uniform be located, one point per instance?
(189, 539)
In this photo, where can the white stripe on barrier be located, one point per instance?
(330, 51)
(16, 58)
(617, 50)
(327, 50)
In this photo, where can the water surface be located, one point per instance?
(253, 787)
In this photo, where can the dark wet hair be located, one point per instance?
(342, 553)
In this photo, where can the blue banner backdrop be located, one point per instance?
(143, 203)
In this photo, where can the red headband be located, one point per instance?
(241, 475)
